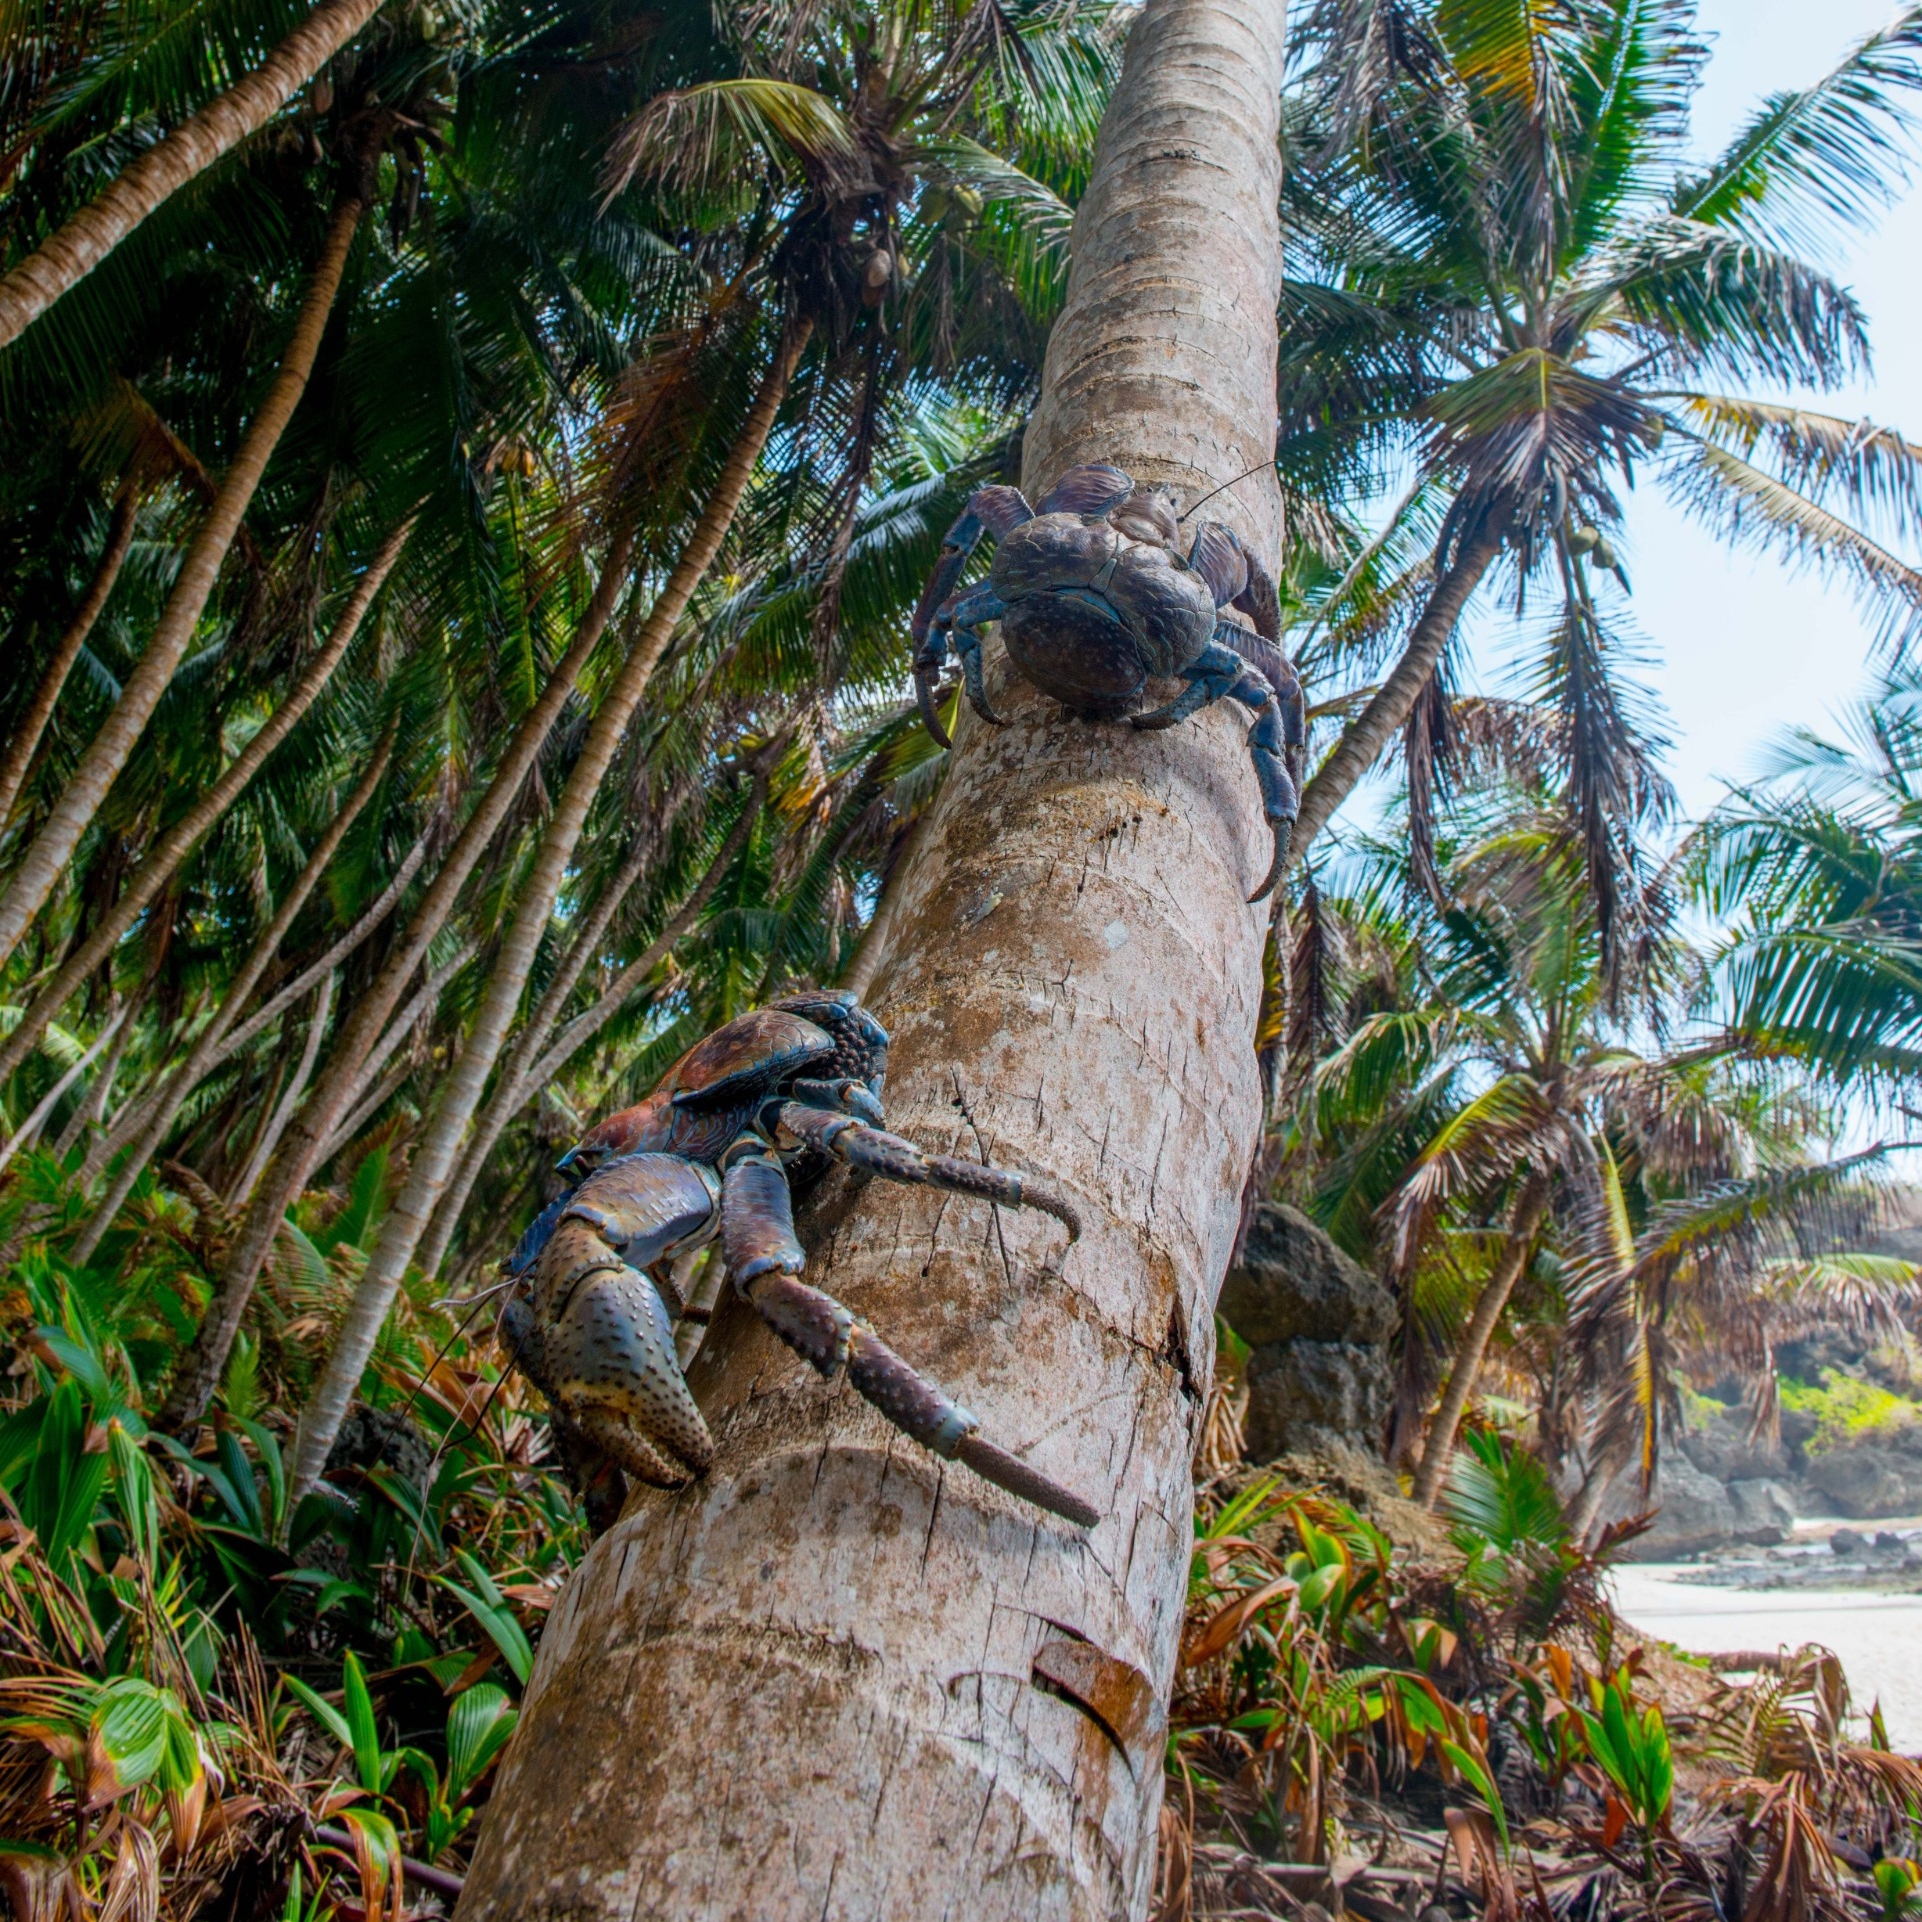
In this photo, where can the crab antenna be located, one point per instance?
(1223, 488)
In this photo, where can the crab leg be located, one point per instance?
(881, 1153)
(765, 1258)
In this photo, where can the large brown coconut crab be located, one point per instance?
(1097, 596)
(775, 1093)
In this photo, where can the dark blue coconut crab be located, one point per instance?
(1096, 597)
(775, 1095)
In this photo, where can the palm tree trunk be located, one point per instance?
(148, 1126)
(872, 1641)
(46, 697)
(201, 1367)
(860, 978)
(148, 182)
(1530, 1206)
(165, 858)
(93, 1105)
(528, 1068)
(434, 1153)
(1368, 735)
(284, 1111)
(45, 860)
(24, 1134)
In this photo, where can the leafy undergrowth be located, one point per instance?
(1478, 1735)
(1847, 1410)
(212, 1706)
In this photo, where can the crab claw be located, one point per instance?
(925, 681)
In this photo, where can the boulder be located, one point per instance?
(1316, 1324)
(1293, 1284)
(1867, 1480)
(1694, 1512)
(1724, 1450)
(1764, 1512)
(1312, 1395)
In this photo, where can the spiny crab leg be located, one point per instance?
(765, 1259)
(881, 1153)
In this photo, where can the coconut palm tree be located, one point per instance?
(1512, 277)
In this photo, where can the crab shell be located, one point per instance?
(1094, 613)
(705, 1099)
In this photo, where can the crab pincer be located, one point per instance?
(775, 1095)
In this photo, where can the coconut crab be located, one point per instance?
(1096, 597)
(771, 1097)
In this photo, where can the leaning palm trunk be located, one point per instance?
(164, 860)
(289, 1101)
(530, 1066)
(147, 1127)
(146, 184)
(1440, 1448)
(945, 1702)
(24, 1134)
(434, 1153)
(46, 858)
(1368, 735)
(334, 1092)
(46, 697)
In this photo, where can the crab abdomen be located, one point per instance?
(1092, 615)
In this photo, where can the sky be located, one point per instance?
(1741, 647)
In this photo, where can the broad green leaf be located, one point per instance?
(478, 1726)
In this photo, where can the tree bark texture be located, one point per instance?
(1530, 1206)
(1366, 738)
(433, 1156)
(335, 1091)
(166, 856)
(73, 252)
(46, 697)
(46, 858)
(835, 1679)
(146, 1129)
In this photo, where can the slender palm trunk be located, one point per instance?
(45, 860)
(528, 1068)
(165, 858)
(866, 1646)
(284, 1110)
(93, 1105)
(73, 252)
(333, 1095)
(46, 697)
(1530, 1206)
(150, 1123)
(1368, 735)
(874, 944)
(24, 1134)
(434, 1153)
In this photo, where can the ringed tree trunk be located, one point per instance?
(168, 854)
(531, 1062)
(46, 697)
(834, 1678)
(47, 856)
(149, 1126)
(1366, 738)
(1530, 1206)
(338, 1086)
(73, 252)
(433, 1156)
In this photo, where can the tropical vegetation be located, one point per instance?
(470, 471)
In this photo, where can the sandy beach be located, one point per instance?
(1878, 1636)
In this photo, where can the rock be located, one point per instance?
(1724, 1450)
(1845, 1541)
(378, 1438)
(1314, 1394)
(1693, 1513)
(1867, 1480)
(1316, 1324)
(1887, 1538)
(1764, 1512)
(1293, 1284)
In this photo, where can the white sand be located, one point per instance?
(1878, 1637)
